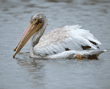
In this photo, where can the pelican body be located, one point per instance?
(66, 42)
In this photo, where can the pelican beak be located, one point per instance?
(33, 27)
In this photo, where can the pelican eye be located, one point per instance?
(39, 21)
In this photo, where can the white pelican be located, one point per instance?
(66, 42)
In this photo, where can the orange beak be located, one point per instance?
(30, 30)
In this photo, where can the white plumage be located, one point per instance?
(66, 41)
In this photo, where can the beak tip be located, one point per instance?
(13, 56)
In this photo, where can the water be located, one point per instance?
(26, 73)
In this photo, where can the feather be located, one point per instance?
(64, 39)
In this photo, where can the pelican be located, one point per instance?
(65, 42)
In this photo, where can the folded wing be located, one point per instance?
(65, 39)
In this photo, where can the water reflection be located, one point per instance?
(35, 69)
(30, 63)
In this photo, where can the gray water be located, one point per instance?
(27, 73)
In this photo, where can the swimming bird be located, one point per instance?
(66, 42)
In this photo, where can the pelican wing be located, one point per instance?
(64, 39)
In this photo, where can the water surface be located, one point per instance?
(27, 73)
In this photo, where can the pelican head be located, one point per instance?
(37, 25)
